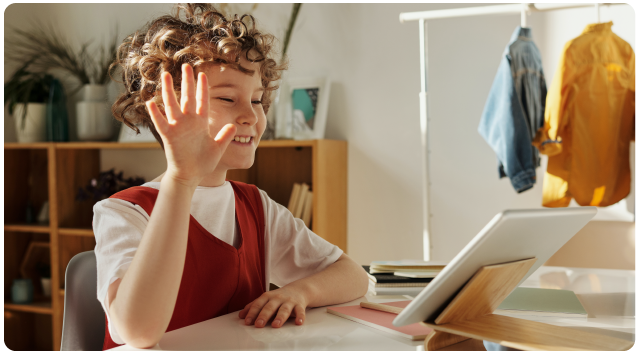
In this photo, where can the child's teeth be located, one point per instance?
(242, 139)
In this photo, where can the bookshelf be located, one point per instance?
(53, 171)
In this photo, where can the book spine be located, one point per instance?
(294, 195)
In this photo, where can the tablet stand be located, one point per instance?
(470, 315)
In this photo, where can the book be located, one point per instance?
(420, 274)
(391, 278)
(410, 291)
(299, 205)
(382, 267)
(308, 209)
(294, 196)
(380, 320)
(542, 302)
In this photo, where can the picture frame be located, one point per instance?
(302, 108)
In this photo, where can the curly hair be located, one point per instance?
(204, 37)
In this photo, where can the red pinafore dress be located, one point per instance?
(217, 279)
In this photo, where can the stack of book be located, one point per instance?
(401, 277)
(301, 202)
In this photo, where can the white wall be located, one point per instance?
(374, 62)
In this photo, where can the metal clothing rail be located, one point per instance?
(422, 16)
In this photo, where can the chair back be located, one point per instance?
(83, 324)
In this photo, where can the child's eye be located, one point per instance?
(226, 99)
(257, 102)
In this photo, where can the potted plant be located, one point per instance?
(107, 184)
(49, 50)
(26, 94)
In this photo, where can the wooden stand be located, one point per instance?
(470, 315)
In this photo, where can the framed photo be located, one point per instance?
(302, 108)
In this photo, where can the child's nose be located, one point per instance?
(247, 116)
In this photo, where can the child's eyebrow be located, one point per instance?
(231, 85)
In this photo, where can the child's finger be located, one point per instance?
(159, 121)
(187, 100)
(282, 315)
(171, 105)
(300, 315)
(244, 311)
(202, 94)
(225, 136)
(255, 309)
(267, 312)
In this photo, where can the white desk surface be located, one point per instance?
(607, 295)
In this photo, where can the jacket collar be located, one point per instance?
(521, 33)
(598, 27)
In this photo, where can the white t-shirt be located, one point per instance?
(292, 250)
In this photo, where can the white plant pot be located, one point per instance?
(34, 129)
(95, 93)
(94, 120)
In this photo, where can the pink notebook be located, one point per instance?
(382, 320)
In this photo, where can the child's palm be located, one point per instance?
(191, 150)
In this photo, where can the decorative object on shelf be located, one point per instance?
(22, 291)
(107, 184)
(94, 118)
(26, 94)
(44, 270)
(57, 118)
(302, 108)
(128, 135)
(43, 215)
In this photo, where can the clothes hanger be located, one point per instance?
(524, 9)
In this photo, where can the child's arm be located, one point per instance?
(340, 282)
(142, 303)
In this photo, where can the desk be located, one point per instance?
(607, 295)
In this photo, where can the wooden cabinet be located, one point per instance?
(54, 172)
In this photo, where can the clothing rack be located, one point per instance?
(422, 16)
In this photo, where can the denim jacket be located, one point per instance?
(514, 110)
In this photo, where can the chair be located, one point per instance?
(83, 324)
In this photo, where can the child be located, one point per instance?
(189, 245)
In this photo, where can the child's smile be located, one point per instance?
(243, 140)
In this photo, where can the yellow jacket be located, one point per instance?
(589, 121)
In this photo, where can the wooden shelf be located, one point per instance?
(148, 145)
(62, 292)
(27, 145)
(42, 229)
(80, 145)
(106, 145)
(76, 232)
(36, 307)
(287, 143)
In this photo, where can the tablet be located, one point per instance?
(511, 235)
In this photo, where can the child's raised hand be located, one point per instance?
(191, 150)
